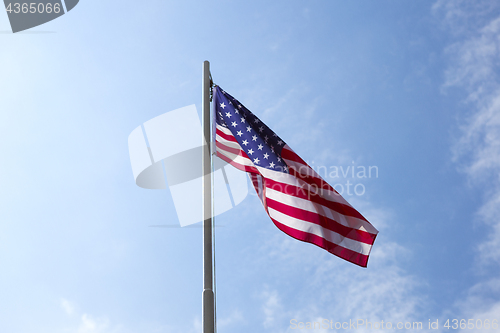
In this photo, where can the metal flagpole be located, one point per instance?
(208, 308)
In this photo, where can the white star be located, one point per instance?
(271, 165)
(285, 168)
(280, 142)
(266, 155)
(250, 151)
(239, 133)
(228, 115)
(242, 120)
(222, 105)
(256, 161)
(236, 111)
(230, 103)
(239, 106)
(275, 134)
(279, 159)
(254, 138)
(220, 113)
(256, 120)
(249, 129)
(245, 142)
(272, 149)
(261, 128)
(266, 138)
(234, 124)
(260, 147)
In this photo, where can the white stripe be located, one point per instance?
(235, 158)
(301, 167)
(224, 130)
(228, 143)
(314, 207)
(317, 230)
(257, 183)
(294, 181)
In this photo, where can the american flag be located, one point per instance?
(296, 198)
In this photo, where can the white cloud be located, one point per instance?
(87, 323)
(272, 307)
(68, 307)
(475, 67)
(481, 305)
(197, 325)
(461, 17)
(336, 290)
(90, 324)
(489, 249)
(234, 318)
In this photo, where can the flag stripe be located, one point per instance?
(225, 130)
(235, 151)
(354, 257)
(300, 183)
(314, 196)
(312, 228)
(296, 198)
(234, 163)
(225, 136)
(325, 216)
(259, 188)
(228, 143)
(229, 150)
(237, 158)
(305, 204)
(321, 221)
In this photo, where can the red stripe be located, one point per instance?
(309, 177)
(342, 252)
(255, 182)
(301, 170)
(226, 136)
(236, 164)
(314, 197)
(305, 173)
(262, 196)
(323, 221)
(289, 154)
(231, 150)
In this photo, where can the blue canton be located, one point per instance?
(259, 142)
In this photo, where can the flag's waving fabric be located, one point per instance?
(297, 199)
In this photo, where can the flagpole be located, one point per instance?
(208, 308)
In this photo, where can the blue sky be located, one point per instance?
(409, 87)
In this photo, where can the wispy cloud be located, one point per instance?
(481, 305)
(90, 324)
(475, 68)
(338, 291)
(87, 323)
(67, 306)
(271, 307)
(235, 317)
